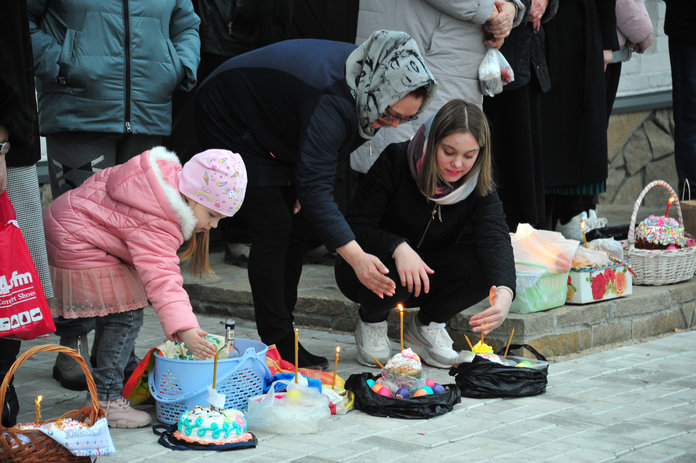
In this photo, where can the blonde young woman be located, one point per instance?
(428, 209)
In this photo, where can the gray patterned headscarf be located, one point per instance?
(383, 70)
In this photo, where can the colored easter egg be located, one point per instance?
(377, 387)
(385, 392)
(524, 363)
(370, 383)
(420, 392)
(293, 395)
(429, 382)
(438, 389)
(403, 393)
(428, 389)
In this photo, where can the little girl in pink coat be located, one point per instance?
(112, 245)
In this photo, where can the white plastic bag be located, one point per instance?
(301, 410)
(494, 72)
(543, 248)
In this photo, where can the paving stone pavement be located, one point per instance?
(634, 403)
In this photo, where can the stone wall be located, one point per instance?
(641, 149)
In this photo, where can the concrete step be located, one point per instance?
(649, 311)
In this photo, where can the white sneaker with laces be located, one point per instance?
(573, 230)
(372, 341)
(432, 342)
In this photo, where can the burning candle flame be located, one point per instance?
(38, 399)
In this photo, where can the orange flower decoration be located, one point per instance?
(620, 283)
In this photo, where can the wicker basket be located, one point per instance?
(659, 266)
(40, 448)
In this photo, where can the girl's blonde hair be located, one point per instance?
(458, 116)
(196, 250)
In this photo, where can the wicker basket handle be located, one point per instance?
(94, 412)
(631, 230)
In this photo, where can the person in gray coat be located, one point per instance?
(453, 37)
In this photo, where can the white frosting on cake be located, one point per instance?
(207, 426)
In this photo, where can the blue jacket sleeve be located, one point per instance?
(328, 127)
(44, 47)
(183, 32)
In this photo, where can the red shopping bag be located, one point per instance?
(24, 312)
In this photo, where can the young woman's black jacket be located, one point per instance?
(388, 208)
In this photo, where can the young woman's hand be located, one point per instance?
(494, 316)
(195, 342)
(368, 268)
(412, 270)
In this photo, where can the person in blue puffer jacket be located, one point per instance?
(105, 75)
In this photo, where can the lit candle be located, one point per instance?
(297, 342)
(401, 326)
(669, 203)
(37, 416)
(584, 238)
(333, 383)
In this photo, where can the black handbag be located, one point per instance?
(482, 378)
(426, 406)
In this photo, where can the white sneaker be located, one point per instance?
(432, 343)
(372, 341)
(573, 230)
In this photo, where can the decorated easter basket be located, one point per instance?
(659, 266)
(31, 445)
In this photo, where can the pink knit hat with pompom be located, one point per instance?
(215, 178)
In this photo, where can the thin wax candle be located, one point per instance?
(37, 416)
(333, 382)
(297, 342)
(401, 326)
(669, 203)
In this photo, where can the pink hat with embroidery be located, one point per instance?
(215, 178)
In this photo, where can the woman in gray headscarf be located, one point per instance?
(292, 109)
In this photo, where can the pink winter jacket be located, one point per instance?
(129, 213)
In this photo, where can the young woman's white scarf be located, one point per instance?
(383, 70)
(446, 194)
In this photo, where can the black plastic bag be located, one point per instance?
(482, 378)
(169, 440)
(618, 232)
(426, 406)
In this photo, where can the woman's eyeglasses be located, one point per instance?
(389, 115)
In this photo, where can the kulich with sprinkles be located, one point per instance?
(658, 232)
(205, 426)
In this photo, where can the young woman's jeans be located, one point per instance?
(682, 57)
(458, 283)
(114, 342)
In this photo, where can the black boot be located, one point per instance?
(9, 348)
(10, 408)
(286, 348)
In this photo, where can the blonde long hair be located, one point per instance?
(458, 116)
(195, 250)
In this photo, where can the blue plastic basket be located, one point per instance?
(179, 385)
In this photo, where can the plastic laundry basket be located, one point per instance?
(179, 385)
